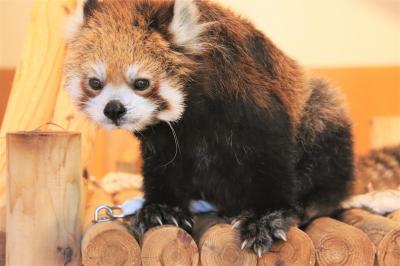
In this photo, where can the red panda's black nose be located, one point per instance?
(114, 110)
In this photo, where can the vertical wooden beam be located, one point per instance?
(37, 79)
(43, 198)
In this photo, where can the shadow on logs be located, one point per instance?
(111, 244)
(168, 245)
(337, 243)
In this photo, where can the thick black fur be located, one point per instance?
(243, 160)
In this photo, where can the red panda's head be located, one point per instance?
(127, 60)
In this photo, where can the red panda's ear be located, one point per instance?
(185, 26)
(76, 20)
(89, 6)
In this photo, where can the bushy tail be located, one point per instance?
(377, 183)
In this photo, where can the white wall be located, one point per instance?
(316, 32)
(330, 32)
(14, 18)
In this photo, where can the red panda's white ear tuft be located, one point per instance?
(76, 20)
(185, 26)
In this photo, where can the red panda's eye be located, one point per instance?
(95, 84)
(141, 84)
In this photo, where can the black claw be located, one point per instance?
(157, 214)
(260, 232)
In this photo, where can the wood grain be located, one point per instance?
(337, 243)
(43, 199)
(220, 245)
(37, 79)
(297, 251)
(111, 244)
(382, 231)
(168, 245)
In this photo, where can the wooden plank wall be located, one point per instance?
(6, 78)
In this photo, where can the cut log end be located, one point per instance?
(375, 226)
(109, 244)
(389, 248)
(298, 250)
(220, 245)
(337, 243)
(168, 245)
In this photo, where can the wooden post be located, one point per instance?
(168, 245)
(111, 244)
(382, 231)
(337, 243)
(38, 77)
(298, 250)
(43, 198)
(220, 245)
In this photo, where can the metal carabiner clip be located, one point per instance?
(109, 214)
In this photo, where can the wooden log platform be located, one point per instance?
(382, 231)
(389, 249)
(325, 242)
(168, 245)
(395, 216)
(298, 250)
(220, 245)
(337, 243)
(375, 226)
(111, 244)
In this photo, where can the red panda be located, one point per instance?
(222, 114)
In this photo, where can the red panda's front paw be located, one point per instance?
(152, 215)
(259, 232)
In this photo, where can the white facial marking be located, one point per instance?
(73, 85)
(98, 70)
(175, 99)
(132, 72)
(139, 109)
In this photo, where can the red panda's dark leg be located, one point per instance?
(163, 175)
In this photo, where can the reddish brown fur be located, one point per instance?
(120, 36)
(288, 81)
(112, 33)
